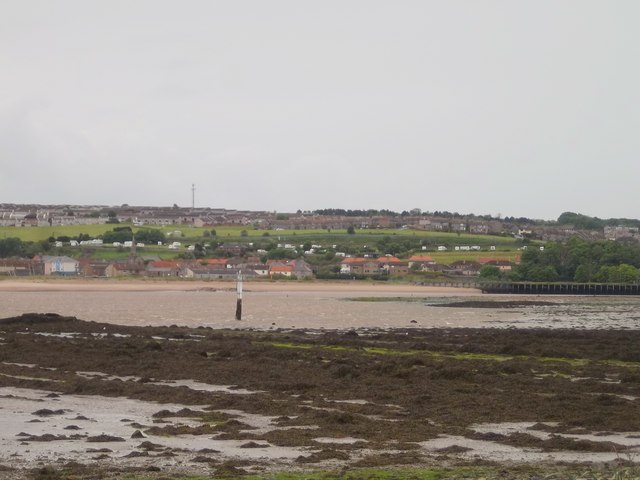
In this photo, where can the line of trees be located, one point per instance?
(14, 247)
(594, 223)
(125, 234)
(579, 260)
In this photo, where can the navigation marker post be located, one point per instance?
(239, 300)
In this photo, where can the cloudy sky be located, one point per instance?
(523, 108)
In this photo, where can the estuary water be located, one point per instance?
(321, 308)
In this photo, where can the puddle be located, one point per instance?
(24, 365)
(339, 441)
(115, 335)
(205, 387)
(106, 376)
(352, 402)
(35, 379)
(57, 335)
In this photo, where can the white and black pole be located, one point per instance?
(239, 300)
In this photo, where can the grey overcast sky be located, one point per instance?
(523, 108)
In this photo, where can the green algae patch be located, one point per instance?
(355, 474)
(574, 362)
(462, 356)
(305, 346)
(451, 473)
(396, 352)
(621, 363)
(386, 299)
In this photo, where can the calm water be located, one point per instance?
(330, 310)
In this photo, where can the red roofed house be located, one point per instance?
(420, 260)
(503, 265)
(218, 262)
(359, 266)
(392, 266)
(280, 270)
(163, 268)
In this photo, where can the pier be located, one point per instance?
(556, 288)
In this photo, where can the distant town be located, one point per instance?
(330, 243)
(20, 215)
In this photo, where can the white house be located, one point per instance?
(60, 266)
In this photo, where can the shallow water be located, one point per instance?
(322, 309)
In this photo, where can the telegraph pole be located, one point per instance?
(193, 196)
(239, 299)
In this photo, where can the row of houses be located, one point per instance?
(52, 215)
(222, 268)
(389, 265)
(214, 268)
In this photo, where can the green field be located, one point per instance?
(42, 233)
(420, 242)
(450, 257)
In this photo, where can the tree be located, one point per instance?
(541, 273)
(584, 273)
(199, 250)
(150, 235)
(282, 253)
(351, 230)
(490, 272)
(10, 247)
(617, 274)
(118, 234)
(626, 273)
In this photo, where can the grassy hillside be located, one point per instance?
(42, 233)
(382, 240)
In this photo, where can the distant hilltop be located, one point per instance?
(568, 223)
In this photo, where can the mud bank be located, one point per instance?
(168, 400)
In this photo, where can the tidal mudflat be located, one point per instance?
(106, 400)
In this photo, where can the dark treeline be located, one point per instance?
(581, 261)
(14, 247)
(125, 234)
(594, 223)
(577, 220)
(417, 212)
(355, 213)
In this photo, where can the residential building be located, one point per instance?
(61, 266)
